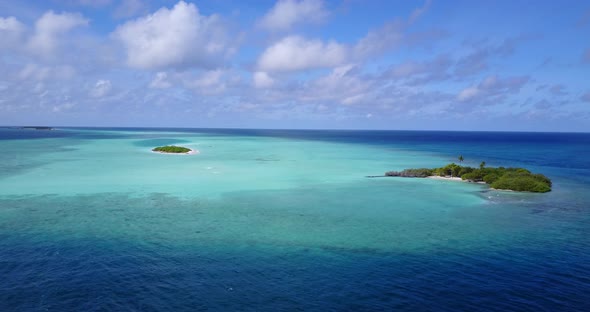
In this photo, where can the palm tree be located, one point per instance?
(461, 158)
(483, 164)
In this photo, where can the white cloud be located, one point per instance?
(287, 13)
(354, 99)
(343, 85)
(101, 88)
(61, 107)
(342, 79)
(10, 24)
(210, 82)
(50, 27)
(294, 53)
(262, 80)
(209, 79)
(297, 53)
(468, 94)
(11, 31)
(161, 81)
(174, 38)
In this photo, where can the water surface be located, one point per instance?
(90, 219)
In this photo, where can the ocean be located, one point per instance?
(286, 220)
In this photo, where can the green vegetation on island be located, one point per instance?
(514, 179)
(172, 149)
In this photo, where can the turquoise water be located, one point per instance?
(91, 219)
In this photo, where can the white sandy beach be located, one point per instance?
(445, 178)
(453, 179)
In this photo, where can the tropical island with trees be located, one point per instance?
(172, 149)
(513, 179)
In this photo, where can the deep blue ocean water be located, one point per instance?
(535, 255)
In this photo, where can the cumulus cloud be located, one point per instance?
(297, 53)
(175, 37)
(50, 27)
(493, 86)
(294, 53)
(11, 31)
(262, 80)
(287, 13)
(349, 79)
(10, 24)
(101, 88)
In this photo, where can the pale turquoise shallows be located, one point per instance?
(242, 190)
(224, 164)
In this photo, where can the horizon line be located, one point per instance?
(294, 129)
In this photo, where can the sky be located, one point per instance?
(297, 64)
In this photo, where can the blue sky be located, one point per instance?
(349, 64)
